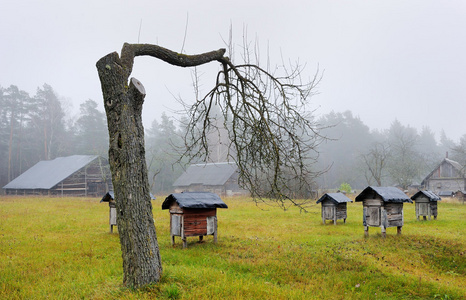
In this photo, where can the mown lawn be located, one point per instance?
(62, 248)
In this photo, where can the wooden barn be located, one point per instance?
(334, 207)
(447, 177)
(76, 175)
(382, 207)
(219, 178)
(426, 204)
(193, 214)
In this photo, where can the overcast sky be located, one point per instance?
(381, 59)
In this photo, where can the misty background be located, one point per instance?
(36, 127)
(392, 72)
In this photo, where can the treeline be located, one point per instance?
(398, 156)
(37, 127)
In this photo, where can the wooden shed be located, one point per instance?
(193, 214)
(382, 207)
(334, 207)
(426, 204)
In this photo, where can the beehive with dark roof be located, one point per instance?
(382, 207)
(426, 204)
(334, 207)
(193, 214)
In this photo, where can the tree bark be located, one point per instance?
(123, 106)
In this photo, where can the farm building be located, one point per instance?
(382, 207)
(334, 207)
(76, 175)
(219, 178)
(193, 214)
(426, 204)
(461, 196)
(447, 177)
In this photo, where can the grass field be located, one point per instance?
(61, 248)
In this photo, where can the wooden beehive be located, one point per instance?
(334, 207)
(109, 197)
(426, 204)
(193, 214)
(382, 207)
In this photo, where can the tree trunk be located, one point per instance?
(123, 105)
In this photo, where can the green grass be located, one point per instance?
(61, 248)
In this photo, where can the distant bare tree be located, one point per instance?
(375, 161)
(270, 133)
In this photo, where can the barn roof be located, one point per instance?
(388, 194)
(194, 200)
(207, 174)
(48, 173)
(429, 194)
(335, 198)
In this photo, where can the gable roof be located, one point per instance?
(335, 198)
(207, 174)
(48, 173)
(194, 200)
(455, 165)
(388, 194)
(429, 194)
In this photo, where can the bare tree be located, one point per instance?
(375, 161)
(269, 132)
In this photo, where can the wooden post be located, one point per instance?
(173, 240)
(215, 230)
(384, 231)
(366, 231)
(398, 230)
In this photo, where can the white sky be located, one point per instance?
(382, 59)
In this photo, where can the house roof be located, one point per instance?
(207, 174)
(48, 173)
(429, 194)
(335, 198)
(194, 200)
(388, 194)
(455, 165)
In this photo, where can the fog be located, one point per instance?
(383, 60)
